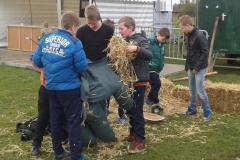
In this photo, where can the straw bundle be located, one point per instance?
(121, 62)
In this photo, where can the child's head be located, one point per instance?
(71, 22)
(110, 23)
(185, 23)
(92, 16)
(91, 12)
(45, 24)
(163, 35)
(126, 26)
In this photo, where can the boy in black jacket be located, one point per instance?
(141, 66)
(195, 67)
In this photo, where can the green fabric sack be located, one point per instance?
(100, 82)
(87, 136)
(98, 123)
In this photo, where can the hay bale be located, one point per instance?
(170, 104)
(223, 97)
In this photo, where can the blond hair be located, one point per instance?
(70, 18)
(184, 20)
(91, 12)
(128, 21)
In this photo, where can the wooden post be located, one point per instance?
(210, 65)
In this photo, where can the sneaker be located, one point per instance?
(149, 102)
(35, 151)
(190, 112)
(238, 158)
(121, 121)
(63, 156)
(137, 147)
(84, 157)
(206, 115)
(130, 138)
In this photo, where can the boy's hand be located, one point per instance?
(194, 72)
(130, 49)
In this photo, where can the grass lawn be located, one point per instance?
(178, 137)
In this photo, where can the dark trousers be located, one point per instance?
(120, 112)
(155, 83)
(43, 116)
(66, 104)
(136, 118)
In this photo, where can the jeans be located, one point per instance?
(155, 83)
(136, 118)
(196, 86)
(66, 104)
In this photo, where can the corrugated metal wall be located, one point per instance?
(72, 5)
(44, 10)
(142, 12)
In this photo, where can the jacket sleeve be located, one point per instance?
(37, 55)
(79, 58)
(203, 47)
(145, 52)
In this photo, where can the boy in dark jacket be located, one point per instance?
(63, 59)
(141, 66)
(195, 67)
(158, 48)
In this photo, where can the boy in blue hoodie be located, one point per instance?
(158, 47)
(63, 59)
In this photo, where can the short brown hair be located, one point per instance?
(164, 32)
(110, 23)
(70, 18)
(128, 21)
(184, 20)
(91, 12)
